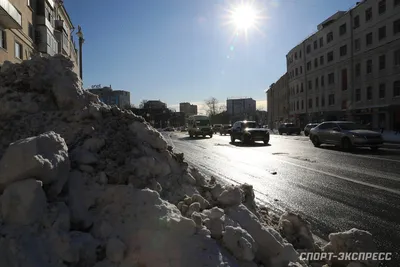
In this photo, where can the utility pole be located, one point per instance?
(81, 41)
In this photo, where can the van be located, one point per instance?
(199, 125)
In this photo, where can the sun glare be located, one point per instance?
(244, 17)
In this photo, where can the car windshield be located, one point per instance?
(202, 123)
(250, 125)
(227, 126)
(289, 125)
(351, 126)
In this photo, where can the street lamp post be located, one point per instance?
(81, 41)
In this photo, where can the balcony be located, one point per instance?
(10, 18)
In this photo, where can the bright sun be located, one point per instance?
(244, 17)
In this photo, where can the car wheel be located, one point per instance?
(346, 144)
(232, 139)
(211, 135)
(315, 141)
(374, 148)
(266, 142)
(280, 133)
(204, 136)
(305, 133)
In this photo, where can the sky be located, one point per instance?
(189, 50)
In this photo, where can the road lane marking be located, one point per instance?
(397, 192)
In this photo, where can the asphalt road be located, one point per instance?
(335, 190)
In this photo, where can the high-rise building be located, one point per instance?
(154, 104)
(350, 67)
(241, 107)
(35, 27)
(187, 108)
(112, 97)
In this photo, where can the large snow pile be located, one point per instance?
(86, 184)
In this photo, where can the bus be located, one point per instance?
(199, 125)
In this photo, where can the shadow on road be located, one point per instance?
(188, 138)
(256, 144)
(362, 151)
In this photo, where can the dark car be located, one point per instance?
(309, 127)
(345, 134)
(289, 128)
(216, 128)
(248, 132)
(225, 129)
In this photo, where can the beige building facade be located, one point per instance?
(350, 68)
(278, 102)
(30, 27)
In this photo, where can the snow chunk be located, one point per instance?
(23, 202)
(296, 230)
(83, 156)
(115, 250)
(240, 243)
(149, 135)
(94, 144)
(44, 157)
(231, 196)
(214, 213)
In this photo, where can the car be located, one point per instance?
(248, 132)
(217, 128)
(289, 128)
(225, 129)
(199, 125)
(309, 127)
(345, 134)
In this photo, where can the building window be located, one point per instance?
(18, 50)
(295, 55)
(358, 95)
(396, 3)
(357, 44)
(297, 88)
(321, 60)
(297, 105)
(342, 29)
(331, 99)
(297, 72)
(382, 62)
(382, 89)
(308, 49)
(344, 79)
(382, 33)
(369, 66)
(3, 39)
(331, 78)
(396, 56)
(368, 14)
(315, 62)
(300, 54)
(329, 37)
(302, 104)
(356, 22)
(29, 3)
(322, 81)
(343, 50)
(301, 88)
(382, 6)
(369, 93)
(309, 65)
(396, 26)
(316, 82)
(322, 101)
(396, 88)
(321, 42)
(368, 38)
(358, 69)
(330, 56)
(310, 103)
(317, 101)
(301, 69)
(31, 31)
(309, 85)
(315, 45)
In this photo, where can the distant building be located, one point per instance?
(241, 107)
(154, 104)
(278, 101)
(119, 98)
(188, 108)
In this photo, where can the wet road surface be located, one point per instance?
(335, 190)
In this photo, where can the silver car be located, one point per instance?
(345, 134)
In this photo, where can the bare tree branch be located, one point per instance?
(212, 106)
(142, 103)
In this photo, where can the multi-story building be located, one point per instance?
(349, 68)
(112, 97)
(241, 108)
(154, 104)
(28, 27)
(188, 109)
(278, 101)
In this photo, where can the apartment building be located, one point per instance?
(119, 98)
(187, 108)
(278, 101)
(349, 68)
(241, 108)
(30, 27)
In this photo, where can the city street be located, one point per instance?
(335, 190)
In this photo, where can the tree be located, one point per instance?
(142, 103)
(212, 106)
(222, 109)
